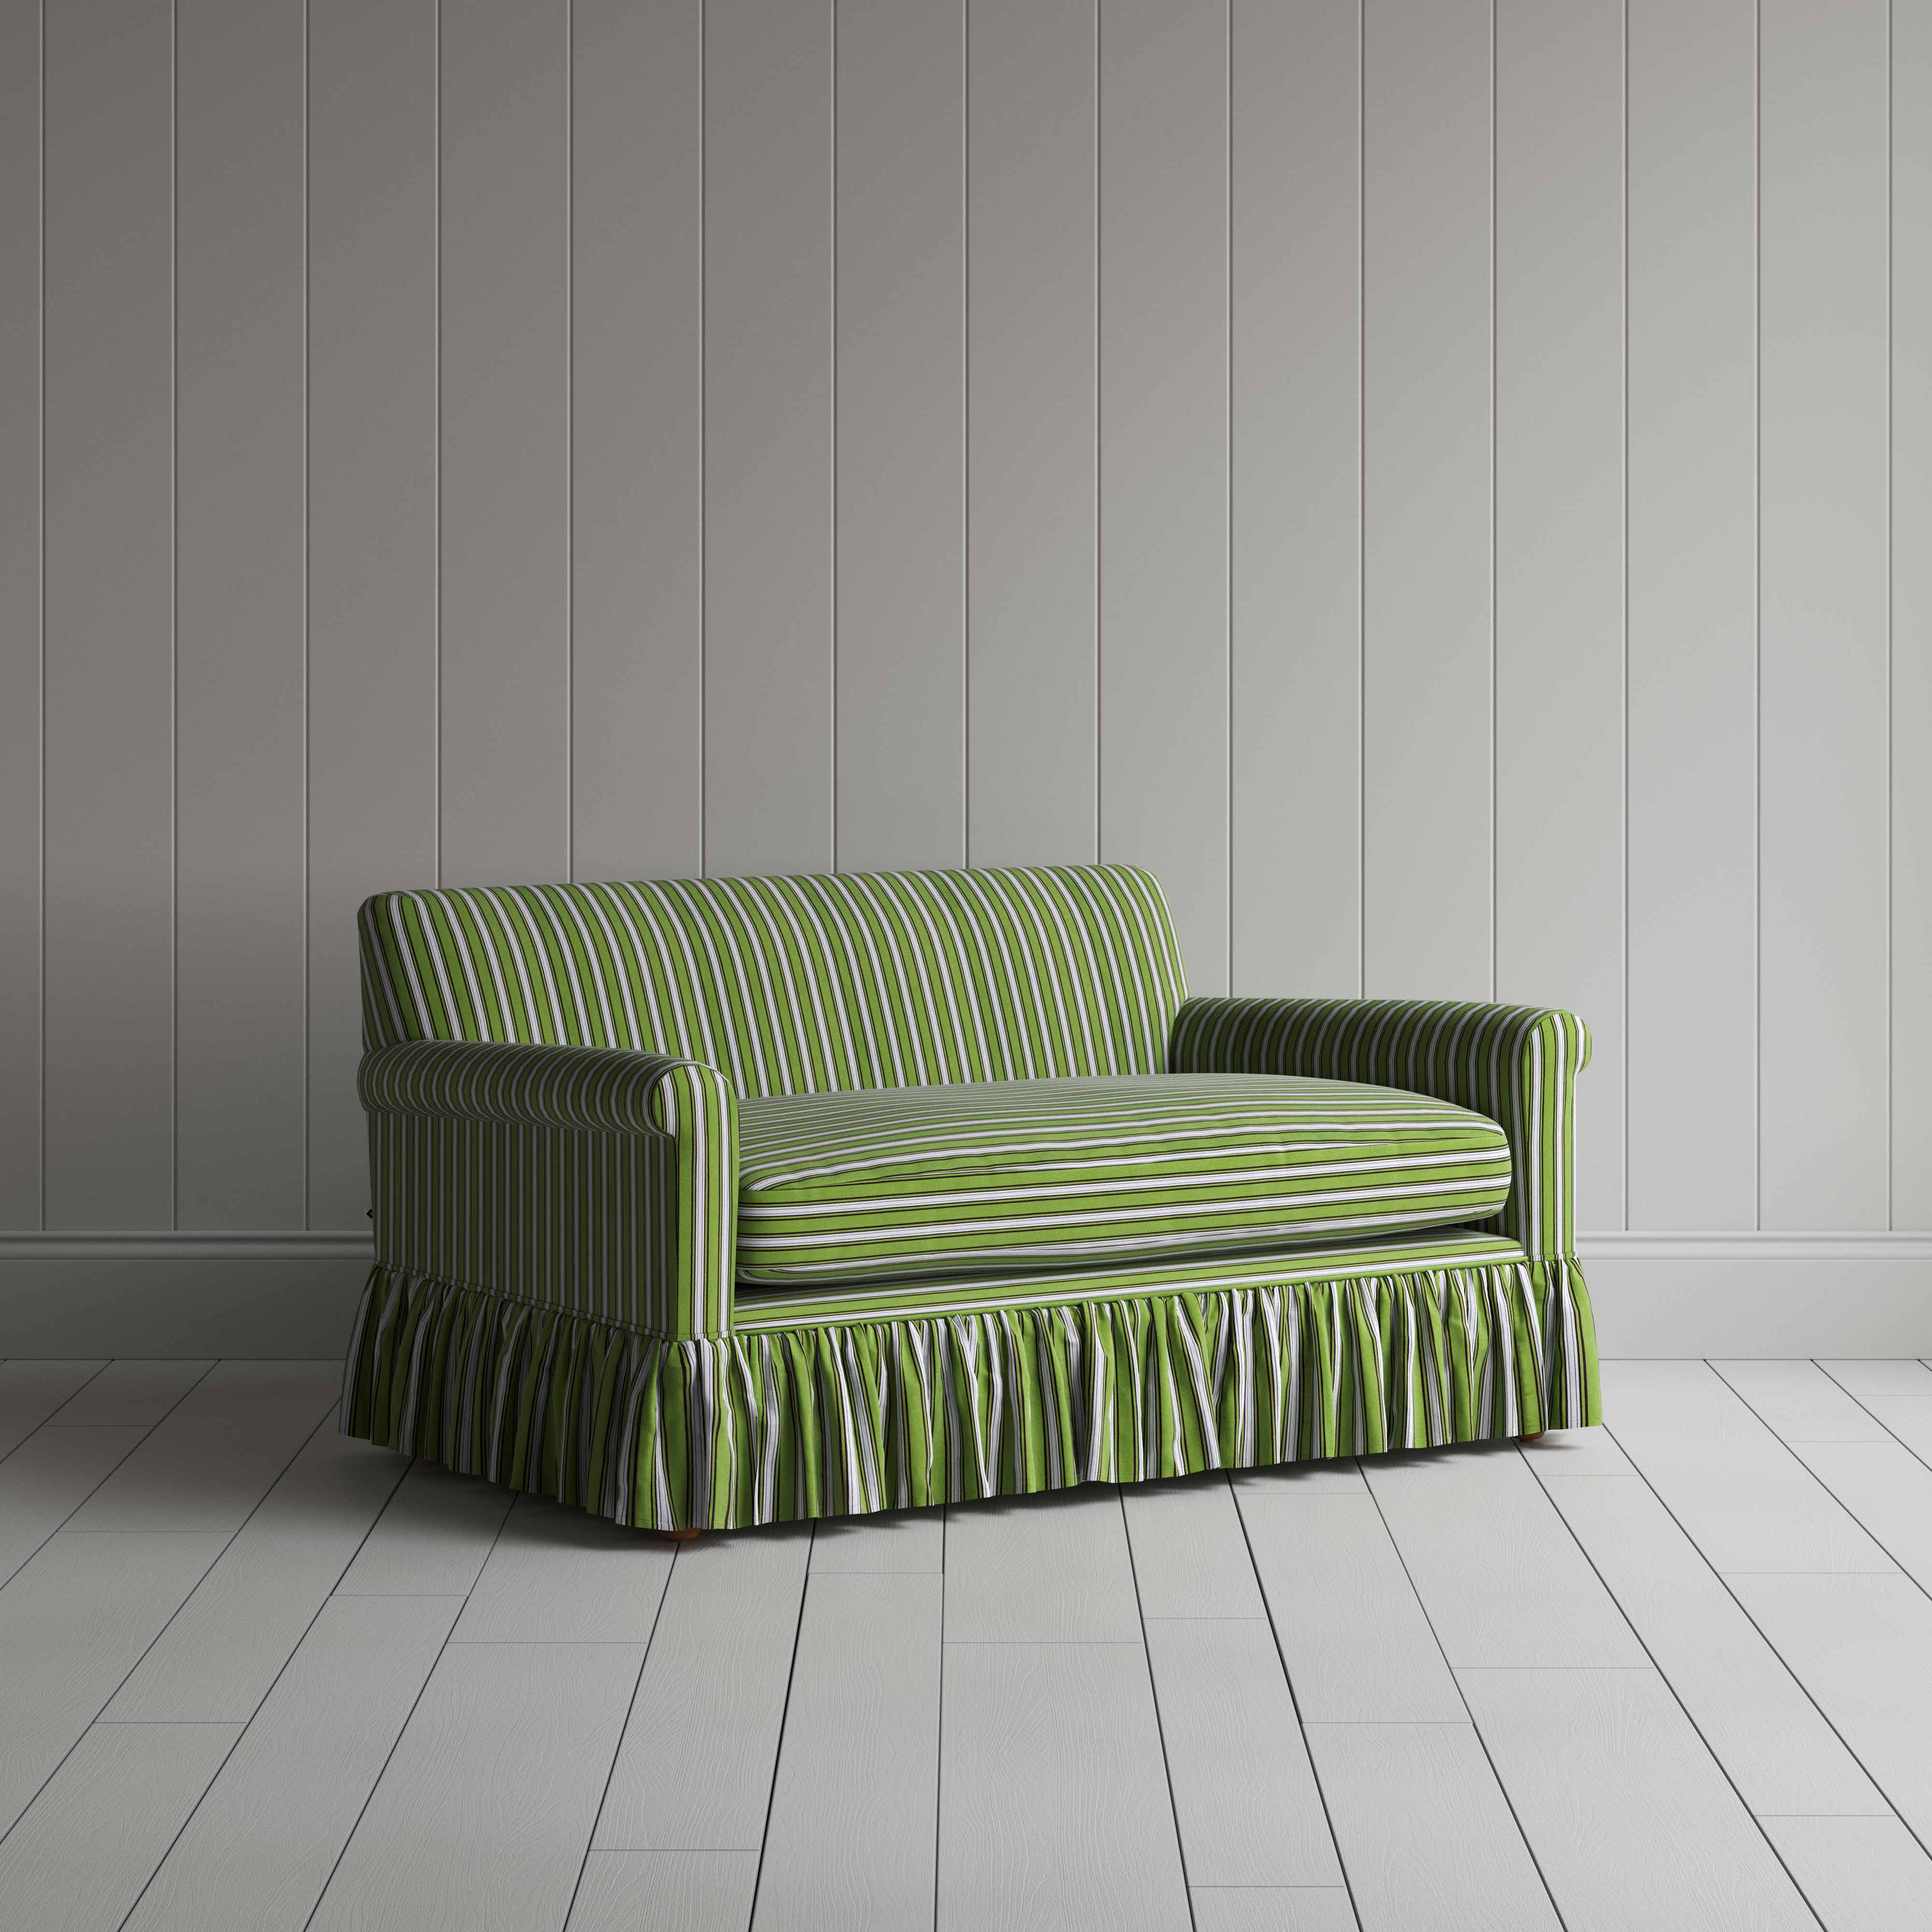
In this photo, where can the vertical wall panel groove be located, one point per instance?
(636, 489)
(1295, 501)
(768, 436)
(1164, 459)
(238, 656)
(20, 772)
(1427, 609)
(372, 301)
(1692, 507)
(1031, 427)
(1911, 613)
(1822, 590)
(1559, 543)
(901, 722)
(109, 592)
(504, 456)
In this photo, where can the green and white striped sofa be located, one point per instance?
(713, 1202)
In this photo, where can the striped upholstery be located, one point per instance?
(801, 985)
(935, 1180)
(559, 1079)
(579, 1177)
(1516, 1065)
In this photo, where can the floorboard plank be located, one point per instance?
(1047, 1569)
(1888, 1488)
(1752, 1713)
(1859, 1645)
(906, 1542)
(218, 1451)
(47, 1478)
(1426, 1833)
(482, 1815)
(218, 1657)
(1054, 1809)
(91, 1840)
(126, 1392)
(1502, 1580)
(80, 1613)
(1908, 1417)
(1272, 1909)
(1300, 1479)
(1799, 1402)
(693, 1772)
(1747, 1501)
(1576, 1452)
(693, 1892)
(850, 1845)
(1190, 1555)
(1357, 1645)
(1860, 1874)
(31, 1391)
(1244, 1793)
(560, 1575)
(1863, 1378)
(1631, 1820)
(262, 1844)
(432, 1540)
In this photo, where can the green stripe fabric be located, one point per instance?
(843, 1418)
(795, 985)
(1515, 1065)
(584, 1178)
(927, 1181)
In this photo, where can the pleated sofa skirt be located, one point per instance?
(836, 1403)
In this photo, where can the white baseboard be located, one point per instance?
(1760, 1295)
(260, 1293)
(265, 1293)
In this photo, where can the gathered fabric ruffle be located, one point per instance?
(846, 1418)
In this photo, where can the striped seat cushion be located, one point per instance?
(903, 1182)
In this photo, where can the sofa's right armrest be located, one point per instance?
(1516, 1065)
(602, 1181)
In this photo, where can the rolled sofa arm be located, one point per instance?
(601, 1182)
(1516, 1065)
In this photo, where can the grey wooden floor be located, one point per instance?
(1676, 1674)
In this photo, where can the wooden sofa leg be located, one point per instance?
(1533, 1435)
(680, 1535)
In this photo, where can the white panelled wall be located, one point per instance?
(1444, 482)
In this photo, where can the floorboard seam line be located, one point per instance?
(415, 1703)
(1663, 1678)
(1824, 1716)
(1543, 1877)
(630, 1709)
(1154, 1694)
(1348, 1885)
(784, 1718)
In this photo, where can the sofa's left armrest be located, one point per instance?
(1516, 1065)
(590, 1179)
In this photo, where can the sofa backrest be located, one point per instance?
(795, 985)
